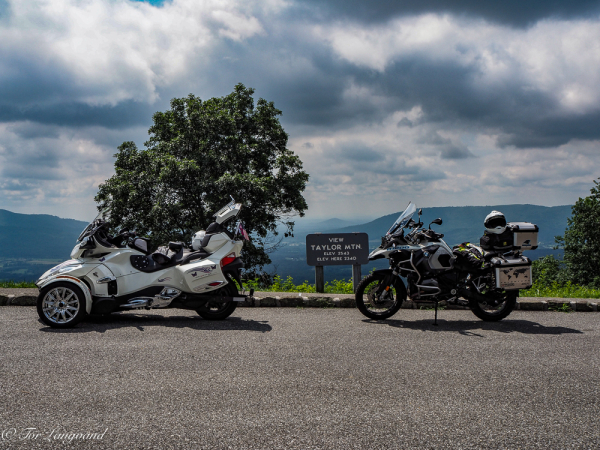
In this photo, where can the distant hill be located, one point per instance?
(305, 226)
(37, 235)
(332, 224)
(30, 244)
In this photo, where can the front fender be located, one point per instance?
(398, 283)
(378, 253)
(76, 281)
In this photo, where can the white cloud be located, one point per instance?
(112, 51)
(410, 168)
(57, 174)
(374, 144)
(558, 58)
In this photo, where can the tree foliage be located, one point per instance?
(548, 270)
(199, 153)
(581, 241)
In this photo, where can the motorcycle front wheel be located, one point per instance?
(61, 305)
(374, 306)
(220, 310)
(492, 306)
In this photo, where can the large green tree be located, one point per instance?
(581, 241)
(199, 153)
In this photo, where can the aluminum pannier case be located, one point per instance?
(513, 272)
(525, 235)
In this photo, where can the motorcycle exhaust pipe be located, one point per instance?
(138, 303)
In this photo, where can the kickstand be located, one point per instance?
(435, 321)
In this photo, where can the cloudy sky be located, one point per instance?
(440, 102)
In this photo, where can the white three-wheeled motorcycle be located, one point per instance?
(117, 273)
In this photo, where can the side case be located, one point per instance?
(513, 272)
(525, 235)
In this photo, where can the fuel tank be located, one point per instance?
(438, 257)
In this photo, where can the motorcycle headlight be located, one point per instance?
(68, 269)
(61, 268)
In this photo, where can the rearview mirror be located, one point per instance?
(437, 221)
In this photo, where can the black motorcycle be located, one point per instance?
(425, 269)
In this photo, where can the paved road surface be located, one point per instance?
(286, 378)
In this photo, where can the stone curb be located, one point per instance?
(264, 299)
(17, 300)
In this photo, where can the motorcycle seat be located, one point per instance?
(168, 254)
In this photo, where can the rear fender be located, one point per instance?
(76, 281)
(233, 269)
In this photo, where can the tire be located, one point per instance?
(217, 310)
(381, 308)
(491, 312)
(61, 305)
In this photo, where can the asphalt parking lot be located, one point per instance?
(287, 378)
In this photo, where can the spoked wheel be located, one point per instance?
(219, 310)
(61, 305)
(378, 306)
(493, 304)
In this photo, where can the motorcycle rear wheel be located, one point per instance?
(378, 307)
(496, 308)
(218, 310)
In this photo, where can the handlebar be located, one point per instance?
(416, 230)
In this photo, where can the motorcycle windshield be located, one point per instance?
(403, 218)
(103, 214)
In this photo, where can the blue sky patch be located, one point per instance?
(152, 2)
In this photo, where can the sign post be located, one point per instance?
(356, 276)
(319, 279)
(339, 249)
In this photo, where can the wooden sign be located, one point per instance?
(339, 249)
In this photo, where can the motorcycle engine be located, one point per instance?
(425, 291)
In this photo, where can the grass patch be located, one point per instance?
(17, 284)
(568, 290)
(287, 285)
(565, 307)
